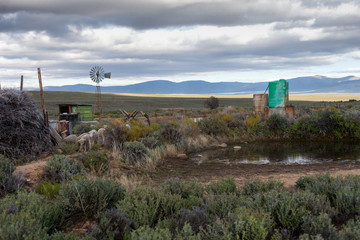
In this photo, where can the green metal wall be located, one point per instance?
(278, 93)
(85, 113)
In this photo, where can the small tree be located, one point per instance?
(212, 102)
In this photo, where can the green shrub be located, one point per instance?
(150, 142)
(249, 225)
(81, 128)
(214, 126)
(97, 161)
(60, 168)
(223, 186)
(20, 226)
(196, 218)
(8, 181)
(212, 102)
(66, 236)
(70, 148)
(48, 189)
(147, 206)
(29, 214)
(342, 192)
(170, 133)
(115, 136)
(219, 229)
(95, 147)
(221, 205)
(251, 188)
(183, 188)
(284, 208)
(252, 121)
(113, 224)
(88, 197)
(147, 233)
(135, 152)
(319, 225)
(351, 231)
(277, 123)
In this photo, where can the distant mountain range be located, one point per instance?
(311, 84)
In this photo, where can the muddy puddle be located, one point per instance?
(280, 153)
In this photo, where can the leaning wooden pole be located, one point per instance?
(21, 82)
(46, 121)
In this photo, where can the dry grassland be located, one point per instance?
(315, 97)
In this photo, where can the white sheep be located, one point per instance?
(85, 142)
(101, 135)
(93, 136)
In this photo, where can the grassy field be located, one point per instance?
(154, 102)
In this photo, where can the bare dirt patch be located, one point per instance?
(289, 174)
(32, 172)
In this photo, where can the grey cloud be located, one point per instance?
(148, 14)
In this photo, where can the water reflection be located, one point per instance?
(281, 153)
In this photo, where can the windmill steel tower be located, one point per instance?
(97, 75)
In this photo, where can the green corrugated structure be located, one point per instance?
(76, 112)
(278, 93)
(85, 112)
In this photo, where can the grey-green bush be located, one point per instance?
(183, 188)
(88, 197)
(254, 187)
(81, 128)
(96, 161)
(8, 181)
(29, 213)
(223, 186)
(135, 152)
(60, 168)
(147, 206)
(113, 224)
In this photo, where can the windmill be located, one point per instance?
(97, 75)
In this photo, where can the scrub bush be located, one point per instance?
(249, 225)
(252, 121)
(70, 148)
(48, 189)
(135, 152)
(147, 233)
(277, 124)
(183, 188)
(351, 230)
(196, 218)
(81, 128)
(214, 126)
(212, 102)
(60, 168)
(223, 186)
(29, 214)
(319, 225)
(189, 128)
(113, 224)
(147, 206)
(9, 182)
(254, 187)
(170, 133)
(97, 161)
(87, 197)
(221, 205)
(151, 142)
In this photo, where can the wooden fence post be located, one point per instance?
(21, 82)
(46, 120)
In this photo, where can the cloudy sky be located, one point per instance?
(177, 40)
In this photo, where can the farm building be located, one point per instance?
(75, 112)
